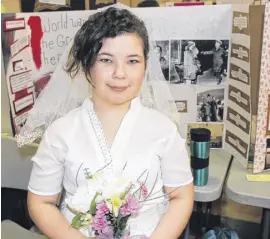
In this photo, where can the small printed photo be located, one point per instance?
(162, 49)
(17, 65)
(20, 120)
(217, 131)
(210, 106)
(176, 63)
(181, 106)
(203, 62)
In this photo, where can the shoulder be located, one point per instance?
(159, 122)
(61, 130)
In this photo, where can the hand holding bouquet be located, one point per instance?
(106, 212)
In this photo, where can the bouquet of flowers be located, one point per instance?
(106, 212)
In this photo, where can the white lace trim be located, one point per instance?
(108, 170)
(28, 137)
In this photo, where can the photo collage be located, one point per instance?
(203, 65)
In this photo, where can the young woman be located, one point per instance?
(111, 55)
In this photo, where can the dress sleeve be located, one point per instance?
(175, 163)
(48, 168)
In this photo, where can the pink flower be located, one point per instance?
(131, 207)
(102, 208)
(100, 223)
(107, 233)
(144, 190)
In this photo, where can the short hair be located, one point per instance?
(88, 40)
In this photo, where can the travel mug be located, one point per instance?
(199, 153)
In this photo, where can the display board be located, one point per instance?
(193, 52)
(208, 62)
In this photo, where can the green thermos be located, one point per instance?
(199, 153)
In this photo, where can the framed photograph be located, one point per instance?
(202, 62)
(181, 106)
(162, 50)
(210, 105)
(268, 118)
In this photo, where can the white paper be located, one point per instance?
(56, 2)
(21, 81)
(15, 24)
(240, 52)
(19, 45)
(24, 103)
(240, 22)
(17, 66)
(20, 120)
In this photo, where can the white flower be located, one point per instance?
(113, 193)
(117, 186)
(82, 199)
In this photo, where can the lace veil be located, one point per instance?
(63, 94)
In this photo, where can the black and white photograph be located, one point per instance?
(176, 63)
(203, 62)
(210, 106)
(162, 49)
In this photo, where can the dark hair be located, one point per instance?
(105, 24)
(148, 3)
(160, 48)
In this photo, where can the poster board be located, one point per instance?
(33, 44)
(247, 27)
(238, 118)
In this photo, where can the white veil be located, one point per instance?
(63, 94)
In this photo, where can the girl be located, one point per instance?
(108, 128)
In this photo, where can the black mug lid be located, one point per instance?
(200, 134)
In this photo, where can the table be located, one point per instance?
(16, 163)
(11, 230)
(219, 165)
(257, 194)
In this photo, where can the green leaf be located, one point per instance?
(77, 224)
(93, 205)
(123, 222)
(76, 221)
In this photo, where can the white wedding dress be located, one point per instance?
(146, 140)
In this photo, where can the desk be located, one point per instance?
(11, 230)
(16, 163)
(257, 194)
(218, 168)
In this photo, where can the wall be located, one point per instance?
(10, 6)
